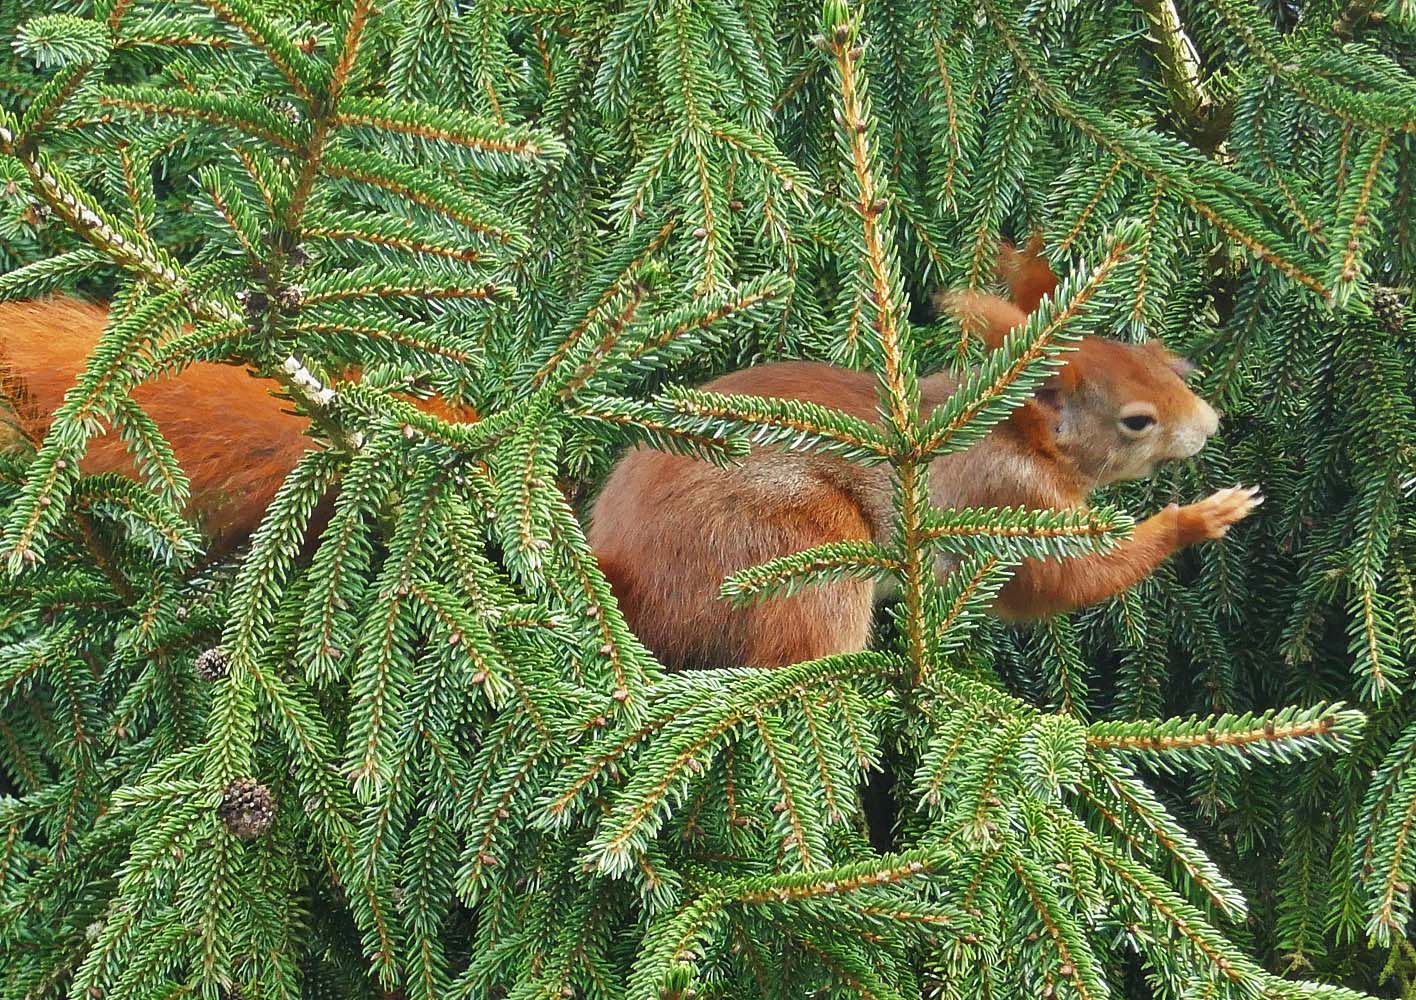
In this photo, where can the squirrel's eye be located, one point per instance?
(1138, 422)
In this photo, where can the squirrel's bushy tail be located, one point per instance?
(234, 440)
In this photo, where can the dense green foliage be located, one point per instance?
(429, 759)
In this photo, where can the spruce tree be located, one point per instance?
(424, 756)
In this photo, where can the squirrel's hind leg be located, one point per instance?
(820, 621)
(668, 530)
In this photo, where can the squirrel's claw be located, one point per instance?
(1212, 517)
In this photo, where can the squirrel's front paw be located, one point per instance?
(1211, 517)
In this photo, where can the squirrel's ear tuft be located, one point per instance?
(1026, 272)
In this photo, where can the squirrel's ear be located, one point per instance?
(1181, 366)
(1026, 272)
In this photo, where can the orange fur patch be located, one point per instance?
(1027, 273)
(233, 439)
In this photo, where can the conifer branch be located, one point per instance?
(794, 423)
(426, 121)
(804, 839)
(1132, 147)
(704, 315)
(960, 604)
(137, 253)
(1370, 111)
(872, 205)
(645, 421)
(302, 72)
(1142, 805)
(1077, 964)
(629, 260)
(422, 188)
(1284, 735)
(518, 233)
(1171, 909)
(49, 102)
(1088, 212)
(1027, 533)
(390, 233)
(374, 337)
(1385, 856)
(246, 117)
(696, 736)
(785, 575)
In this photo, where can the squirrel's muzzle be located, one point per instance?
(1191, 436)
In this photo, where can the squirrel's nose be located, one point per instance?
(1208, 419)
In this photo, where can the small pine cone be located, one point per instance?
(232, 991)
(212, 665)
(1389, 309)
(289, 297)
(247, 808)
(254, 302)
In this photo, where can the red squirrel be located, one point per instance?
(668, 529)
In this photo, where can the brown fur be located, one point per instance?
(669, 529)
(235, 441)
(980, 315)
(1026, 273)
(202, 411)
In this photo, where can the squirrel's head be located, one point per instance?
(1115, 409)
(1118, 410)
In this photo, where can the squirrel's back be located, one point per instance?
(667, 529)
